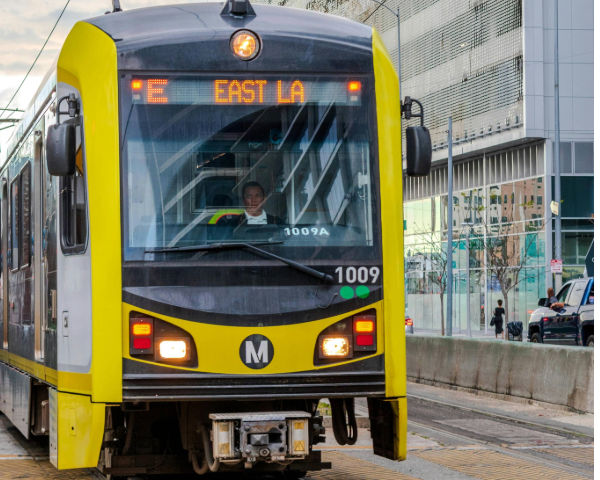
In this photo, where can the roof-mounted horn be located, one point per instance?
(238, 8)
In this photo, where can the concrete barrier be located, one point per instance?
(558, 375)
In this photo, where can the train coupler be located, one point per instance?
(274, 437)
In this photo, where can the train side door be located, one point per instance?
(4, 253)
(74, 326)
(38, 264)
(49, 247)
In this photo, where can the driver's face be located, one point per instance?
(253, 201)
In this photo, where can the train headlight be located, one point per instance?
(245, 45)
(335, 347)
(173, 349)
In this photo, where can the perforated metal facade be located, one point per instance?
(492, 168)
(461, 58)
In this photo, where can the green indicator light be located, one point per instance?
(347, 293)
(362, 291)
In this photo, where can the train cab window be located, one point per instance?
(25, 215)
(74, 209)
(13, 247)
(277, 159)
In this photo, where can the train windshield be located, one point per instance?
(282, 160)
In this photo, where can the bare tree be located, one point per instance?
(435, 254)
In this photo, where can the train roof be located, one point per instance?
(150, 26)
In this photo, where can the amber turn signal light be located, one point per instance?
(354, 86)
(364, 326)
(141, 329)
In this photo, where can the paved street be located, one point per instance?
(452, 435)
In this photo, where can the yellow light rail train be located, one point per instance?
(201, 238)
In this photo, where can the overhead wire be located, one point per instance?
(36, 58)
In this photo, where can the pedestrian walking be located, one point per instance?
(498, 321)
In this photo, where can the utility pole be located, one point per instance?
(449, 278)
(557, 193)
(468, 254)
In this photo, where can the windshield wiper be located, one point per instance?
(250, 246)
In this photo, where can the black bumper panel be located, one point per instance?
(161, 387)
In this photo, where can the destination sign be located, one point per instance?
(268, 90)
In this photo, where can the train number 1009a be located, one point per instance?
(360, 274)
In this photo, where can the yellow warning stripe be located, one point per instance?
(345, 467)
(577, 455)
(33, 469)
(492, 465)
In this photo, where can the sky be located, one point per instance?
(24, 27)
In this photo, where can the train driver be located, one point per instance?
(253, 197)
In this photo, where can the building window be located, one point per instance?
(584, 157)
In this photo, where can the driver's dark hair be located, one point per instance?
(252, 184)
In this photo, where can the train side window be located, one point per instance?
(74, 209)
(25, 215)
(13, 247)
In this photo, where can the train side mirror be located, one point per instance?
(418, 151)
(61, 149)
(418, 141)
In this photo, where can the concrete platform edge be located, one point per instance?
(495, 396)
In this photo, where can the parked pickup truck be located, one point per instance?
(571, 325)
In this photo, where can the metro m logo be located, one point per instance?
(256, 351)
(252, 356)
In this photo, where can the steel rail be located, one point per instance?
(508, 451)
(497, 415)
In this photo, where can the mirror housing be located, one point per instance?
(542, 302)
(418, 151)
(61, 149)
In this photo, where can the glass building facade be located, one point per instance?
(505, 196)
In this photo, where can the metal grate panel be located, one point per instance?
(461, 58)
(509, 165)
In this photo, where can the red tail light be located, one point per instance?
(365, 333)
(546, 319)
(142, 343)
(408, 322)
(364, 340)
(141, 338)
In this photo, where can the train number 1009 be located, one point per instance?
(360, 274)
